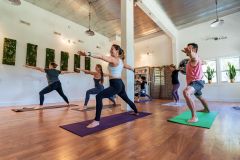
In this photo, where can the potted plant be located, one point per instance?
(209, 74)
(231, 72)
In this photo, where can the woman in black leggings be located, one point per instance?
(117, 86)
(53, 81)
(98, 78)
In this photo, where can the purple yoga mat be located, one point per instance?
(106, 122)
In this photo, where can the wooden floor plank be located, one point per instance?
(37, 136)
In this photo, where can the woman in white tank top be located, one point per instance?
(117, 86)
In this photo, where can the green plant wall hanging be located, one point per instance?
(31, 58)
(76, 62)
(9, 51)
(64, 61)
(87, 63)
(50, 56)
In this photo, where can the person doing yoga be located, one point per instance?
(98, 78)
(53, 82)
(117, 86)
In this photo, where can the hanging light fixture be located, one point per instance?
(15, 2)
(217, 22)
(89, 32)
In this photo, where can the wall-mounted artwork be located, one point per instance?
(9, 51)
(64, 61)
(31, 58)
(50, 56)
(87, 63)
(76, 62)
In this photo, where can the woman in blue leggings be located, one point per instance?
(115, 67)
(175, 82)
(98, 78)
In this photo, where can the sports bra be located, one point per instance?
(116, 72)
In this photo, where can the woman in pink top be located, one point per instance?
(194, 75)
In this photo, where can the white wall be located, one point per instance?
(209, 49)
(160, 17)
(160, 49)
(19, 85)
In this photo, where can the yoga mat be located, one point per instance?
(106, 122)
(94, 107)
(237, 108)
(205, 120)
(142, 101)
(173, 104)
(46, 107)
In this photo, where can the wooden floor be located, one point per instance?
(36, 135)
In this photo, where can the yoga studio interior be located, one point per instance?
(119, 79)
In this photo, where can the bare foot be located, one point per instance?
(82, 108)
(204, 110)
(133, 113)
(36, 107)
(193, 120)
(93, 124)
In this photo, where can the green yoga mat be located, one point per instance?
(205, 120)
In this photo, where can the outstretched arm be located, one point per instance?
(128, 67)
(36, 68)
(191, 54)
(66, 72)
(86, 71)
(101, 57)
(106, 75)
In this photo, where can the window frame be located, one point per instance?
(221, 71)
(216, 70)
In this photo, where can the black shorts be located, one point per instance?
(198, 86)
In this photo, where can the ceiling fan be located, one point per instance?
(89, 32)
(15, 2)
(217, 22)
(215, 38)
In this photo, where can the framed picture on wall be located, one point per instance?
(76, 62)
(31, 58)
(64, 61)
(50, 56)
(87, 63)
(9, 51)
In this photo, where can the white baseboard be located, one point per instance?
(34, 102)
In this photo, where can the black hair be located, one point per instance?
(53, 64)
(120, 51)
(143, 78)
(195, 46)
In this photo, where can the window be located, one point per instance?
(224, 68)
(213, 65)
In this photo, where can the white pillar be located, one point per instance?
(127, 44)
